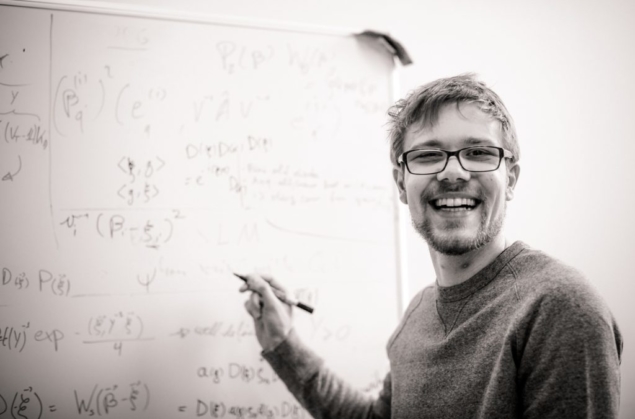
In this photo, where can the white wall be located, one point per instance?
(565, 70)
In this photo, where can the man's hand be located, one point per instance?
(272, 317)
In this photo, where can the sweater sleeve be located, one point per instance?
(320, 391)
(569, 357)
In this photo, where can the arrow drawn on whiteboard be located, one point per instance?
(320, 236)
(9, 175)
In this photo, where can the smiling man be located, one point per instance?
(457, 199)
(506, 331)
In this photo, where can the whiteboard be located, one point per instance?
(142, 161)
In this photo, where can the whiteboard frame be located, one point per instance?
(401, 217)
(146, 12)
(150, 12)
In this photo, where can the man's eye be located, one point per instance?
(481, 152)
(426, 156)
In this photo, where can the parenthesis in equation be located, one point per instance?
(13, 405)
(103, 98)
(23, 341)
(54, 287)
(57, 91)
(147, 396)
(40, 403)
(6, 132)
(99, 224)
(98, 402)
(58, 290)
(118, 101)
(170, 230)
(140, 328)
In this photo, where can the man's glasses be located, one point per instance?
(472, 159)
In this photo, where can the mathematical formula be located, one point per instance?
(111, 400)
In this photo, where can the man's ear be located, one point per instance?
(397, 174)
(513, 172)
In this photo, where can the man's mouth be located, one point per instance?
(455, 204)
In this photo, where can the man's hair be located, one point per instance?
(421, 107)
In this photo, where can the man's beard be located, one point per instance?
(455, 245)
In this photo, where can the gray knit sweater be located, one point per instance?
(526, 337)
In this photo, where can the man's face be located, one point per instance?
(457, 211)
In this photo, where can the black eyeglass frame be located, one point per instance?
(502, 154)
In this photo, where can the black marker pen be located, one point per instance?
(285, 299)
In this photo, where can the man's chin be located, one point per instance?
(455, 237)
(453, 246)
(459, 240)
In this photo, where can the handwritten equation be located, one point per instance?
(20, 127)
(113, 400)
(24, 404)
(46, 282)
(235, 371)
(14, 338)
(139, 186)
(115, 329)
(220, 409)
(151, 231)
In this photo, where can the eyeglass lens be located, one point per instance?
(473, 159)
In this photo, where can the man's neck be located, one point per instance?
(453, 270)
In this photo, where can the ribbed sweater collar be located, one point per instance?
(481, 278)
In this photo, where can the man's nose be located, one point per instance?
(453, 171)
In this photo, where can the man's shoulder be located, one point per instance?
(542, 280)
(537, 271)
(419, 298)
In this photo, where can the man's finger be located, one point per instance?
(257, 284)
(274, 283)
(253, 306)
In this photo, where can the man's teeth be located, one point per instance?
(455, 202)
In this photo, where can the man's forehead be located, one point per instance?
(463, 125)
(466, 141)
